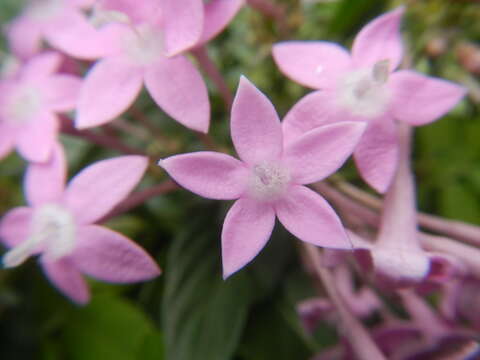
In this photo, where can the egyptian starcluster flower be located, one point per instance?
(59, 225)
(146, 41)
(53, 21)
(269, 179)
(29, 102)
(364, 86)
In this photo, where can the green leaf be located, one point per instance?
(109, 328)
(203, 316)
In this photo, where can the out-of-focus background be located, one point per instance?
(190, 313)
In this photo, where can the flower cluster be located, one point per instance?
(81, 64)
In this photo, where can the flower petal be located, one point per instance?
(24, 37)
(41, 66)
(255, 126)
(376, 155)
(74, 35)
(322, 151)
(110, 87)
(37, 139)
(420, 99)
(183, 24)
(208, 174)
(61, 92)
(45, 182)
(379, 40)
(66, 278)
(15, 225)
(218, 13)
(109, 256)
(310, 218)
(316, 64)
(94, 191)
(178, 88)
(315, 109)
(247, 228)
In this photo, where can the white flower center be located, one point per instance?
(144, 44)
(44, 10)
(363, 92)
(24, 104)
(268, 181)
(52, 233)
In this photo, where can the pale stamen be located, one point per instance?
(52, 232)
(268, 181)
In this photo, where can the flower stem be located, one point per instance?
(139, 197)
(102, 140)
(212, 71)
(359, 338)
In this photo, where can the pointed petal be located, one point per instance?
(74, 35)
(380, 40)
(322, 151)
(60, 92)
(41, 66)
(24, 37)
(67, 279)
(45, 182)
(247, 228)
(109, 256)
(208, 174)
(37, 139)
(316, 109)
(376, 155)
(183, 24)
(218, 13)
(94, 191)
(110, 87)
(316, 64)
(310, 218)
(255, 126)
(178, 88)
(15, 225)
(432, 98)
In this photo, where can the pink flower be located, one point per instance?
(147, 39)
(364, 86)
(59, 225)
(29, 101)
(268, 180)
(55, 21)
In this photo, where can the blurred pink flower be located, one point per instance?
(146, 41)
(364, 86)
(59, 225)
(29, 101)
(56, 21)
(268, 180)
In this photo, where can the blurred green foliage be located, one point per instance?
(190, 313)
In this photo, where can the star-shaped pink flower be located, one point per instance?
(29, 101)
(364, 86)
(148, 39)
(269, 179)
(58, 226)
(55, 21)
(138, 55)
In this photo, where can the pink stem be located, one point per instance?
(139, 197)
(452, 228)
(103, 140)
(269, 9)
(212, 71)
(359, 338)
